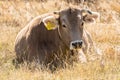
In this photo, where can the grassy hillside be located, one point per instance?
(15, 14)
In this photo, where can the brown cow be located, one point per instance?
(55, 34)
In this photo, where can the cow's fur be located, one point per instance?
(35, 42)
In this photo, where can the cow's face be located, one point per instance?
(71, 27)
(70, 23)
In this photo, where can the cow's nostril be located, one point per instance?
(74, 44)
(77, 44)
(80, 43)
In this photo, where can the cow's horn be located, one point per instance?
(85, 11)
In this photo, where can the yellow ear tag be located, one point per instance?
(50, 22)
(50, 25)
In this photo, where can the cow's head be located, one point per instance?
(69, 23)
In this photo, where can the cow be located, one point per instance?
(56, 34)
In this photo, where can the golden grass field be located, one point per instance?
(14, 15)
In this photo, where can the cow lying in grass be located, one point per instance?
(55, 37)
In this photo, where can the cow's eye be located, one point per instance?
(82, 23)
(64, 25)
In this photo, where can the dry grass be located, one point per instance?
(16, 14)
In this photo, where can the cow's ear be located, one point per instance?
(51, 22)
(90, 17)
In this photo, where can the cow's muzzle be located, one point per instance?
(76, 44)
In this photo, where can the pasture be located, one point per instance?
(14, 15)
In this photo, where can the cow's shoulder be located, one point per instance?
(37, 21)
(34, 22)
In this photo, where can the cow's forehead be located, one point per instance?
(70, 11)
(71, 14)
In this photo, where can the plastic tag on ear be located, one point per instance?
(50, 23)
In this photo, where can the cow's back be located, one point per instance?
(21, 42)
(36, 42)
